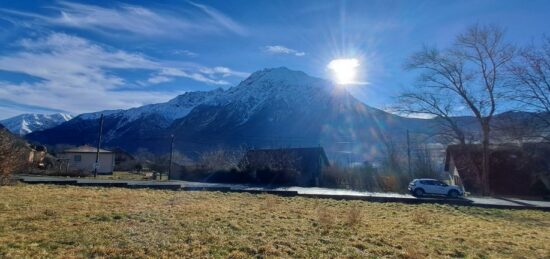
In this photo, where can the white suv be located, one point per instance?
(420, 187)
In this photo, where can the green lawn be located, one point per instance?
(54, 221)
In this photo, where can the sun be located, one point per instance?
(344, 70)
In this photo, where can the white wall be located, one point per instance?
(86, 163)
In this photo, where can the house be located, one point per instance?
(124, 161)
(514, 169)
(37, 154)
(305, 163)
(84, 157)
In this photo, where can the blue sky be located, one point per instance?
(81, 57)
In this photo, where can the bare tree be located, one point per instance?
(531, 75)
(393, 159)
(12, 154)
(442, 108)
(471, 72)
(221, 159)
(423, 165)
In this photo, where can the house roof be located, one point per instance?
(86, 149)
(122, 154)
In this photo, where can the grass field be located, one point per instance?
(53, 221)
(117, 175)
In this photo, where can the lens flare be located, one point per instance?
(344, 70)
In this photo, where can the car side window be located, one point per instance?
(426, 182)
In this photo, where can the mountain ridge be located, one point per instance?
(29, 122)
(272, 107)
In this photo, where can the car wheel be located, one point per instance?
(453, 193)
(418, 192)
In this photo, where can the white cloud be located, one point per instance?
(197, 76)
(186, 53)
(223, 71)
(221, 19)
(278, 49)
(159, 79)
(135, 19)
(77, 75)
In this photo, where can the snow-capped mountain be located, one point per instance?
(273, 107)
(282, 108)
(26, 123)
(169, 111)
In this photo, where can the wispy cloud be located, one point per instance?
(221, 19)
(77, 75)
(195, 75)
(223, 71)
(185, 52)
(135, 19)
(158, 79)
(278, 49)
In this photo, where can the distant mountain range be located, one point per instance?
(26, 123)
(275, 107)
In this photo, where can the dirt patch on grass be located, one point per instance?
(58, 221)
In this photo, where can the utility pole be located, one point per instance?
(409, 153)
(171, 154)
(96, 165)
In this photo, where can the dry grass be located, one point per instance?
(57, 221)
(122, 175)
(354, 216)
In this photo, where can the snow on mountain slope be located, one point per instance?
(175, 108)
(268, 85)
(26, 123)
(168, 111)
(261, 86)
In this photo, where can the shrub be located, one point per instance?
(354, 216)
(56, 171)
(221, 159)
(325, 217)
(357, 178)
(12, 155)
(333, 177)
(388, 183)
(420, 217)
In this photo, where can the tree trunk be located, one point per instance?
(485, 167)
(462, 139)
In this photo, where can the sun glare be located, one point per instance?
(344, 70)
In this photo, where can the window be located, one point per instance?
(77, 158)
(440, 183)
